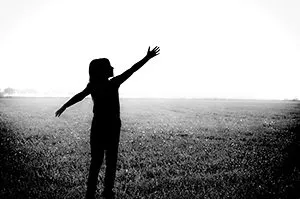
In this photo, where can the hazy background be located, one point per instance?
(213, 49)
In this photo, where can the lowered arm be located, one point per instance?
(76, 98)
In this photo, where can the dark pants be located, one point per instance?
(104, 138)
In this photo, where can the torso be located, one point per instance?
(106, 100)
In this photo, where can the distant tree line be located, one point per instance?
(11, 92)
(7, 92)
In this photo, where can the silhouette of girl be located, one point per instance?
(106, 124)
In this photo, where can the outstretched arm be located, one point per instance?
(76, 98)
(124, 76)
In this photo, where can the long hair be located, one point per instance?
(98, 69)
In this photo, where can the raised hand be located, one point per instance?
(59, 111)
(152, 53)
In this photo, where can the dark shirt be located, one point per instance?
(106, 99)
(105, 96)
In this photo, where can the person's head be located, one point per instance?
(100, 69)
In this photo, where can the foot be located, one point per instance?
(89, 196)
(108, 194)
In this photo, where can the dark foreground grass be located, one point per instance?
(168, 149)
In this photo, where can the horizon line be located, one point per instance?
(179, 98)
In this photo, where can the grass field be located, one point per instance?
(168, 149)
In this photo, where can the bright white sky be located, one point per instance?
(226, 49)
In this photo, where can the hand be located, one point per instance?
(152, 53)
(60, 111)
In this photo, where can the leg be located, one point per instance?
(111, 159)
(111, 165)
(96, 163)
(93, 175)
(97, 154)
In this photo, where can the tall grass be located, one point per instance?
(168, 149)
